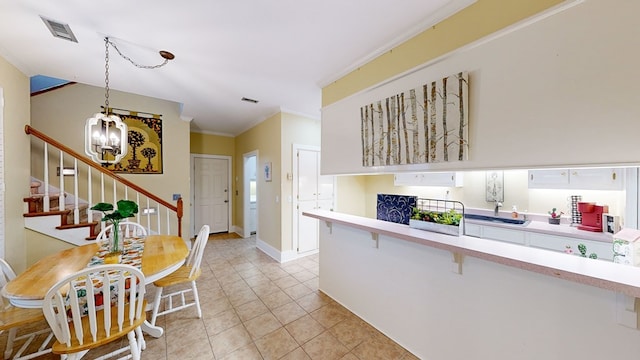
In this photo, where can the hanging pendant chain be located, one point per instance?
(133, 62)
(106, 75)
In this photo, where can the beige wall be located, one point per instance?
(210, 144)
(61, 114)
(476, 21)
(266, 139)
(15, 87)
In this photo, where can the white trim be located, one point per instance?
(268, 249)
(229, 188)
(451, 8)
(246, 195)
(279, 256)
(2, 179)
(493, 36)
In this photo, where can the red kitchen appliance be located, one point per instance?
(591, 216)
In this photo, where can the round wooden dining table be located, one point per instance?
(162, 255)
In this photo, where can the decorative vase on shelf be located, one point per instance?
(554, 221)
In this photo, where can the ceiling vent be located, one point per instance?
(59, 30)
(250, 100)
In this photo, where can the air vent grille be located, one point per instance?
(59, 30)
(250, 100)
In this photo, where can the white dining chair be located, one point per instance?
(188, 273)
(96, 306)
(12, 318)
(128, 228)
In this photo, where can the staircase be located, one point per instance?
(73, 222)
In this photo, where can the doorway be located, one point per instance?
(250, 193)
(211, 199)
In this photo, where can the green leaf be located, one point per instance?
(102, 207)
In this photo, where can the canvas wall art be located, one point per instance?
(427, 124)
(144, 155)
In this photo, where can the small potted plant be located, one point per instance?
(113, 216)
(445, 222)
(554, 216)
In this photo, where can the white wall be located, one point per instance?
(562, 91)
(491, 311)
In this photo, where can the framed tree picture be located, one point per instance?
(144, 137)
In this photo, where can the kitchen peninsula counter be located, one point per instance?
(432, 292)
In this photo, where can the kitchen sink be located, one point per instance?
(495, 219)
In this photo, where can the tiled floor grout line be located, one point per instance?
(315, 326)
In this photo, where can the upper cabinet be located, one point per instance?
(579, 179)
(448, 179)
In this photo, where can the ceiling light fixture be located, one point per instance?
(106, 135)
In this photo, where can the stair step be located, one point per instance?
(93, 228)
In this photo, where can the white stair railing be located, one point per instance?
(86, 173)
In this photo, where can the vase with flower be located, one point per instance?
(113, 216)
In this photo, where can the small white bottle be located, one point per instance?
(514, 212)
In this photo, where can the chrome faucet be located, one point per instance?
(497, 208)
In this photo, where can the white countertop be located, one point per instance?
(602, 274)
(540, 224)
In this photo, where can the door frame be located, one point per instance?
(193, 188)
(294, 212)
(246, 196)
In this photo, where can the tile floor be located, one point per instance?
(255, 308)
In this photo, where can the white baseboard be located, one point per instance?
(281, 257)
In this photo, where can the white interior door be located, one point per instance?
(211, 193)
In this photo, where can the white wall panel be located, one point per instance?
(559, 92)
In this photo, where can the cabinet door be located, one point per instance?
(450, 179)
(549, 179)
(407, 179)
(508, 235)
(604, 250)
(596, 179)
(551, 242)
(307, 175)
(474, 230)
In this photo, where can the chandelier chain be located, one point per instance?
(133, 62)
(106, 75)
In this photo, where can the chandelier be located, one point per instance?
(106, 135)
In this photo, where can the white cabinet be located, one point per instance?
(548, 179)
(596, 179)
(578, 179)
(502, 234)
(604, 250)
(472, 230)
(314, 191)
(449, 179)
(559, 243)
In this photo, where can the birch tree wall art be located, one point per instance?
(427, 124)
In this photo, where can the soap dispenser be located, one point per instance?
(514, 212)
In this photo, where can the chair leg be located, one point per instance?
(142, 344)
(10, 339)
(156, 305)
(133, 345)
(195, 298)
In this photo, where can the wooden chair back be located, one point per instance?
(95, 306)
(197, 251)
